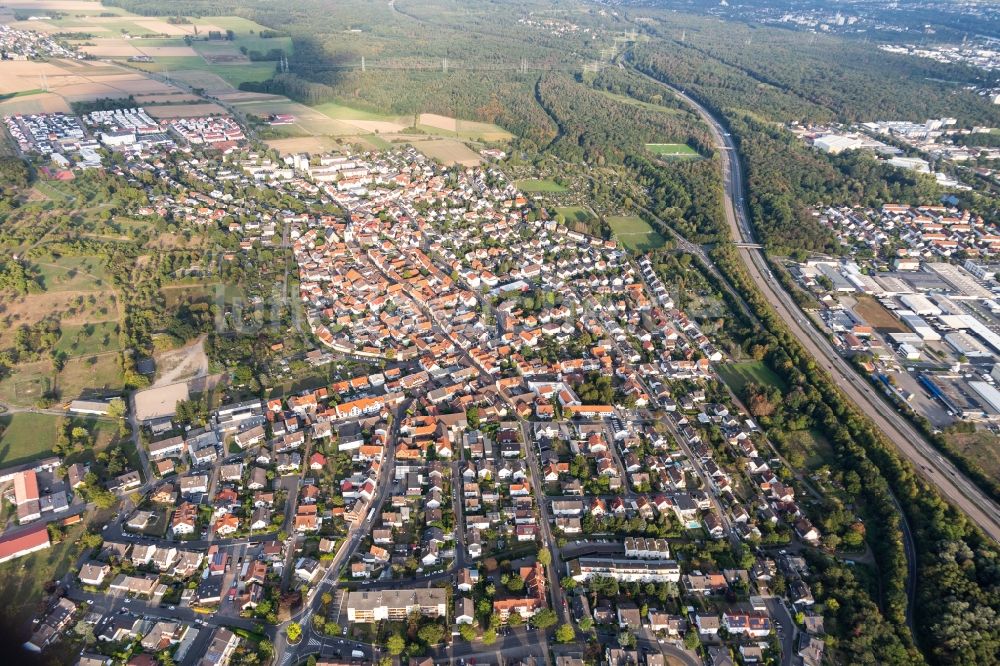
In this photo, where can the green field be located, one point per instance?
(71, 273)
(635, 233)
(639, 103)
(26, 437)
(809, 448)
(671, 149)
(343, 112)
(234, 74)
(738, 375)
(573, 214)
(89, 338)
(534, 185)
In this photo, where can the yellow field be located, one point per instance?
(75, 81)
(307, 120)
(468, 129)
(41, 103)
(449, 151)
(303, 144)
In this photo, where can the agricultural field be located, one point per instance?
(469, 130)
(302, 144)
(185, 110)
(537, 186)
(447, 151)
(343, 112)
(635, 233)
(177, 67)
(671, 149)
(308, 120)
(738, 375)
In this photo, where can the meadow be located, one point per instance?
(635, 233)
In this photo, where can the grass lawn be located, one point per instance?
(71, 273)
(375, 140)
(51, 190)
(574, 213)
(89, 338)
(343, 112)
(89, 374)
(671, 149)
(980, 447)
(533, 185)
(738, 375)
(26, 437)
(638, 102)
(812, 446)
(635, 233)
(27, 384)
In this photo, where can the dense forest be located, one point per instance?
(599, 129)
(848, 78)
(784, 176)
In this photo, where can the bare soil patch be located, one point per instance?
(180, 364)
(877, 315)
(304, 144)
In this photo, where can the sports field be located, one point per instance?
(671, 149)
(635, 233)
(536, 186)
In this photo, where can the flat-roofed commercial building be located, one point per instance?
(395, 605)
(624, 570)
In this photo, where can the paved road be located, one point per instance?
(559, 603)
(289, 654)
(686, 657)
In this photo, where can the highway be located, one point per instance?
(951, 483)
